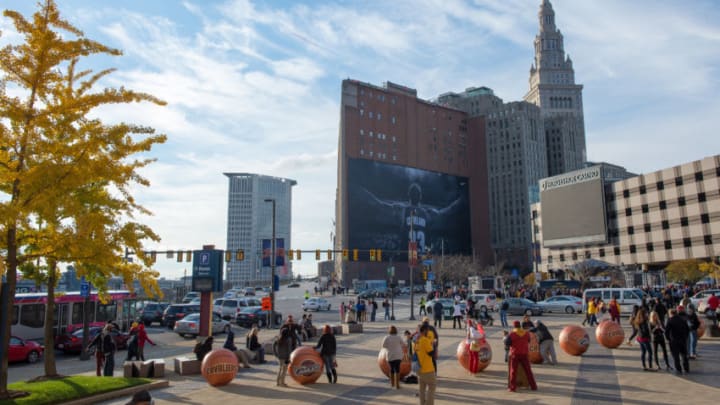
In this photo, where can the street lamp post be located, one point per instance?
(410, 266)
(272, 266)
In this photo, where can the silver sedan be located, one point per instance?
(190, 325)
(562, 303)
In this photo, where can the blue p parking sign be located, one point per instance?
(84, 289)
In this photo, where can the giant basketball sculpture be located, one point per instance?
(574, 340)
(306, 365)
(484, 355)
(405, 364)
(534, 354)
(609, 334)
(219, 367)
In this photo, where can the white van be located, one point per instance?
(626, 297)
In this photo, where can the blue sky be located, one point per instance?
(255, 86)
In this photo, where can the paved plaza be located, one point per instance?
(600, 376)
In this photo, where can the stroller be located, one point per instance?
(485, 318)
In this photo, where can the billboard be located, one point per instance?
(390, 206)
(572, 207)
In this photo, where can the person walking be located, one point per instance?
(435, 339)
(422, 310)
(504, 306)
(108, 349)
(373, 309)
(614, 310)
(99, 355)
(643, 338)
(437, 314)
(427, 380)
(328, 348)
(386, 307)
(658, 339)
(283, 347)
(457, 315)
(132, 345)
(142, 338)
(519, 348)
(635, 310)
(395, 346)
(592, 311)
(694, 325)
(676, 332)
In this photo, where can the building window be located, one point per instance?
(362, 132)
(550, 259)
(705, 218)
(645, 209)
(668, 245)
(562, 257)
(708, 239)
(612, 215)
(684, 221)
(379, 116)
(687, 242)
(678, 181)
(393, 120)
(631, 230)
(602, 252)
(628, 212)
(702, 197)
(574, 256)
(650, 247)
(626, 193)
(648, 228)
(616, 251)
(660, 185)
(663, 205)
(681, 201)
(632, 249)
(587, 254)
(698, 176)
(362, 112)
(665, 224)
(370, 114)
(643, 189)
(717, 172)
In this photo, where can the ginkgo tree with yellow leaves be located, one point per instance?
(66, 177)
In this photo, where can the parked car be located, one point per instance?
(256, 315)
(483, 301)
(72, 342)
(522, 306)
(700, 299)
(562, 303)
(24, 350)
(217, 306)
(151, 312)
(316, 304)
(448, 306)
(190, 296)
(190, 325)
(231, 307)
(404, 291)
(176, 312)
(293, 285)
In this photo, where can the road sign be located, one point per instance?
(265, 303)
(431, 276)
(391, 271)
(84, 289)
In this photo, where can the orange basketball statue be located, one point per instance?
(484, 355)
(574, 340)
(609, 334)
(306, 365)
(534, 354)
(219, 367)
(405, 364)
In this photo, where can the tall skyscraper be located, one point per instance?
(553, 89)
(250, 221)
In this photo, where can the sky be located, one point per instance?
(254, 86)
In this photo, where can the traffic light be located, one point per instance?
(240, 255)
(299, 254)
(188, 256)
(378, 255)
(372, 255)
(153, 256)
(291, 254)
(346, 254)
(424, 275)
(228, 256)
(179, 256)
(317, 254)
(329, 254)
(355, 255)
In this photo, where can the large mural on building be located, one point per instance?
(390, 205)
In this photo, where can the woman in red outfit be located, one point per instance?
(142, 338)
(474, 338)
(519, 347)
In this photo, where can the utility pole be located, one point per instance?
(410, 265)
(272, 267)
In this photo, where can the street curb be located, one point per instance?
(125, 392)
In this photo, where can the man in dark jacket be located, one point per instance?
(437, 313)
(546, 341)
(660, 309)
(677, 332)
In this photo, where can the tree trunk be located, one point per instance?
(9, 299)
(49, 353)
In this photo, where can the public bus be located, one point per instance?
(28, 312)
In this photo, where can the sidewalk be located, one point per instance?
(600, 376)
